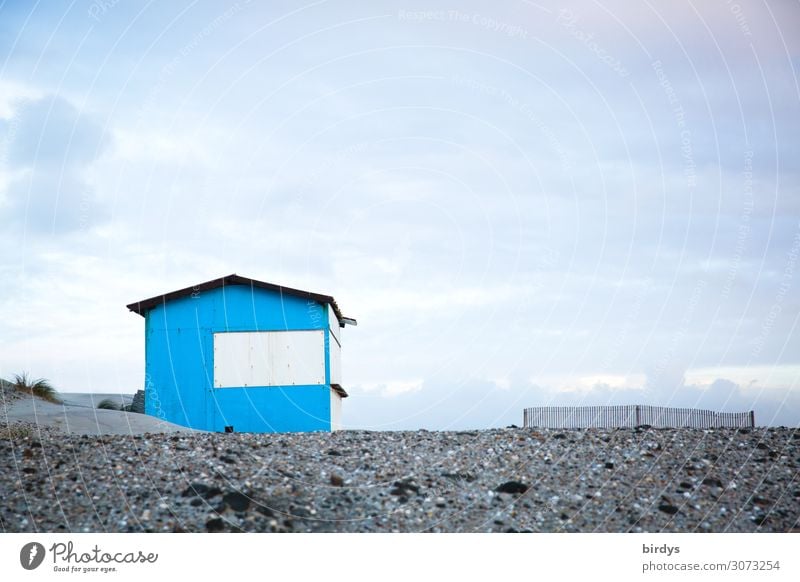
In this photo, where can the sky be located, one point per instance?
(521, 203)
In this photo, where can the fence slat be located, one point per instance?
(632, 416)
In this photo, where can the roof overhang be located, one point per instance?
(339, 390)
(143, 306)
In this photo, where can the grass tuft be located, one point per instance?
(108, 404)
(39, 387)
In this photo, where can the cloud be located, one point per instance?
(50, 149)
(52, 132)
(477, 403)
(11, 94)
(495, 205)
(465, 405)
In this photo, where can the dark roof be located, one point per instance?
(141, 307)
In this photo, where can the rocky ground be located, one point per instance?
(503, 480)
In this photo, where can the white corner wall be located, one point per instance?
(333, 324)
(336, 361)
(336, 410)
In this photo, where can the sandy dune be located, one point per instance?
(79, 415)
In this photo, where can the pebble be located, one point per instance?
(468, 481)
(667, 508)
(513, 487)
(236, 501)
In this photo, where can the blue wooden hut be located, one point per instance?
(239, 355)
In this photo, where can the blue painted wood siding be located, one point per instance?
(179, 362)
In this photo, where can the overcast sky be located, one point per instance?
(521, 204)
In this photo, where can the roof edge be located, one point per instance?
(339, 390)
(143, 306)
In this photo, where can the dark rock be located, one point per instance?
(560, 435)
(512, 426)
(264, 510)
(668, 508)
(685, 485)
(712, 482)
(336, 480)
(227, 459)
(212, 492)
(403, 489)
(609, 465)
(215, 525)
(512, 487)
(196, 502)
(563, 517)
(761, 446)
(760, 519)
(334, 453)
(201, 490)
(407, 485)
(28, 470)
(236, 501)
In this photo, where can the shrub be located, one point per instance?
(39, 387)
(108, 404)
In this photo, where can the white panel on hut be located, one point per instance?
(269, 358)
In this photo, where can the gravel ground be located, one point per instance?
(501, 480)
